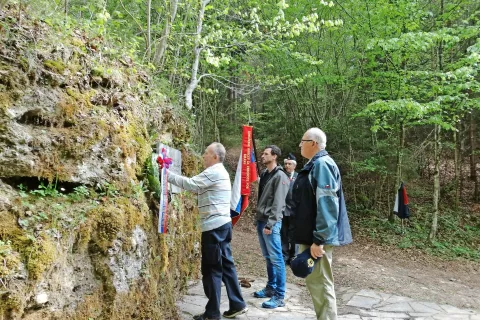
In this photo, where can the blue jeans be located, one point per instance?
(271, 245)
(218, 266)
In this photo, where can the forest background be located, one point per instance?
(394, 84)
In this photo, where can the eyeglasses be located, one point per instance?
(302, 141)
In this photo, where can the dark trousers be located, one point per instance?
(287, 234)
(218, 266)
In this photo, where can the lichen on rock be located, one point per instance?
(127, 266)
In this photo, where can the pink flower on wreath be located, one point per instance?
(163, 160)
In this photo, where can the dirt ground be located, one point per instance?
(365, 265)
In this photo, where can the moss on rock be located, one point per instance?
(40, 255)
(9, 303)
(10, 259)
(116, 217)
(37, 253)
(56, 66)
(96, 119)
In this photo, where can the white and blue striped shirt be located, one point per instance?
(214, 193)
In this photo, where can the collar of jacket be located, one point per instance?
(277, 168)
(310, 163)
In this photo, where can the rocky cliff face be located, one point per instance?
(78, 217)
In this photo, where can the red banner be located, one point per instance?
(246, 160)
(245, 175)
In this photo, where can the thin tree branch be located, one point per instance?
(138, 24)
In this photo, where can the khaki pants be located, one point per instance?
(320, 285)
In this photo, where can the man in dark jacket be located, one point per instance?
(321, 218)
(272, 190)
(288, 221)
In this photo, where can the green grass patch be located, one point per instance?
(458, 234)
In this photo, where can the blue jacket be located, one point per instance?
(320, 211)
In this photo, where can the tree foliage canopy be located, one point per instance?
(378, 76)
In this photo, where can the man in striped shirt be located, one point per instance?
(214, 191)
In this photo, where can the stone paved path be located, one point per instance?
(359, 305)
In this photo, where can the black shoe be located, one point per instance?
(203, 317)
(233, 313)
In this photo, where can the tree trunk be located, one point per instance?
(20, 12)
(197, 50)
(436, 184)
(437, 146)
(149, 33)
(172, 77)
(398, 180)
(473, 158)
(457, 168)
(461, 152)
(163, 42)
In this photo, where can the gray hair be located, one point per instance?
(318, 136)
(219, 150)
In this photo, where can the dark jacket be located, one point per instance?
(271, 201)
(288, 200)
(320, 212)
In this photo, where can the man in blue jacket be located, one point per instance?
(321, 218)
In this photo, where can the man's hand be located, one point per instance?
(267, 231)
(316, 251)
